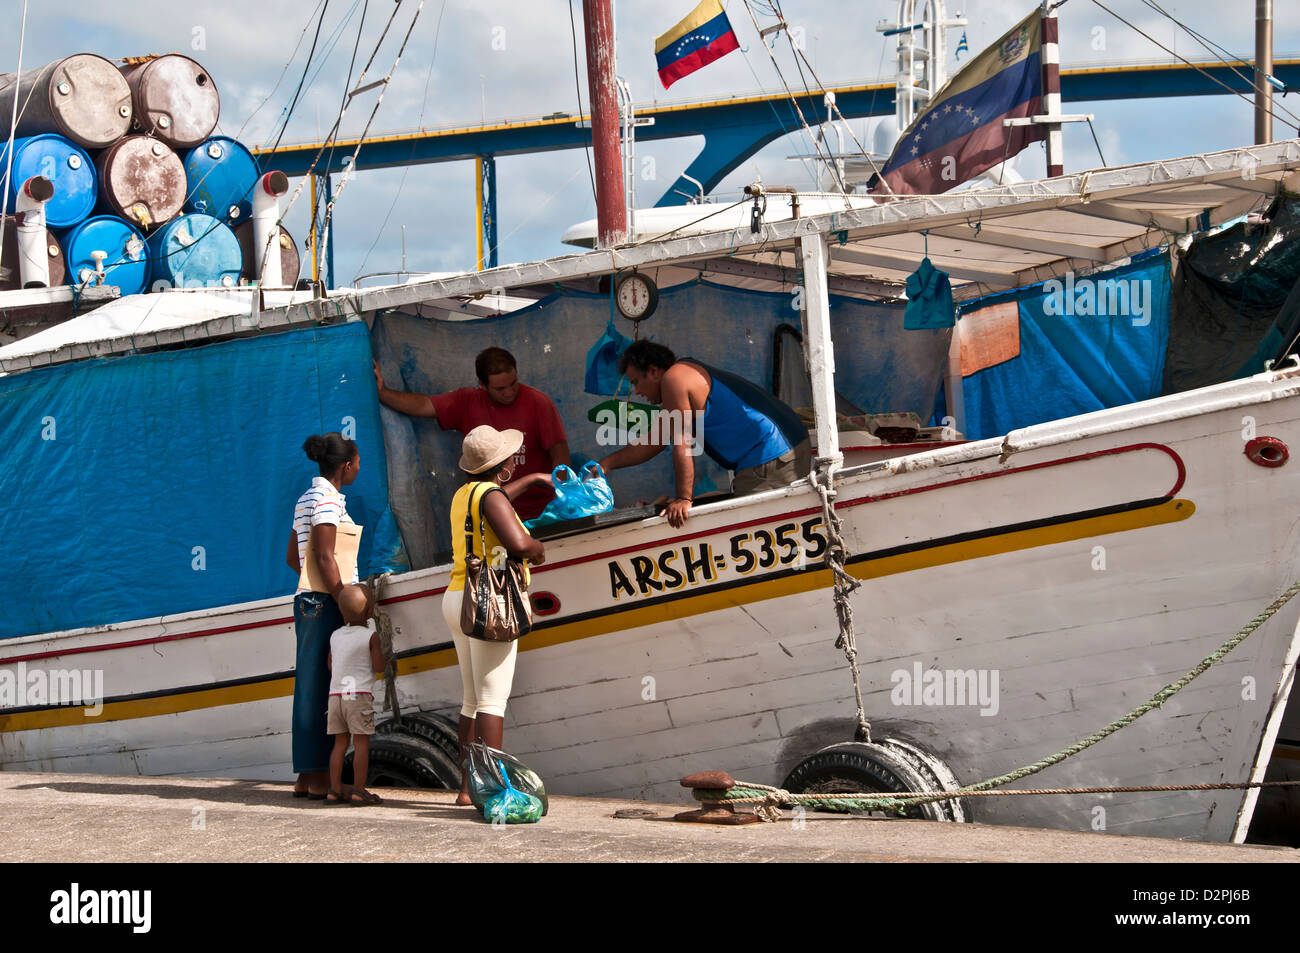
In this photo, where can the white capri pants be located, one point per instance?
(487, 669)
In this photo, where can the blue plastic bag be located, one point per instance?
(602, 362)
(512, 806)
(576, 495)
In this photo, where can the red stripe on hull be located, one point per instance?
(608, 554)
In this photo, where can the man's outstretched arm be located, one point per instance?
(678, 400)
(416, 405)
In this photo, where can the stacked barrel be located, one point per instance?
(144, 197)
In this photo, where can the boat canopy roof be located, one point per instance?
(987, 240)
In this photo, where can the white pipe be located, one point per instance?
(813, 254)
(33, 244)
(266, 230)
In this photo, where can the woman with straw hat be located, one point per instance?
(487, 669)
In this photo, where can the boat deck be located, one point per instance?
(79, 818)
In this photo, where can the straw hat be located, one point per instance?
(484, 447)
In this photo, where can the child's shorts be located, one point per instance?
(351, 716)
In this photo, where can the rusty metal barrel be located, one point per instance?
(290, 262)
(10, 273)
(141, 180)
(175, 99)
(83, 97)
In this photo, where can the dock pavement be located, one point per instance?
(81, 818)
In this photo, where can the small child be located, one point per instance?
(354, 657)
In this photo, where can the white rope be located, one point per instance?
(844, 586)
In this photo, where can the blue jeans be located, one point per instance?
(315, 617)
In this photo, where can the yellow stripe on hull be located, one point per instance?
(617, 620)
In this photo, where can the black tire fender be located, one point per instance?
(879, 767)
(438, 730)
(403, 760)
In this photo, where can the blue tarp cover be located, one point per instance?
(161, 483)
(1084, 346)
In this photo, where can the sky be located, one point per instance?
(468, 60)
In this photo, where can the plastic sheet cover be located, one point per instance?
(1077, 354)
(1227, 292)
(162, 483)
(879, 367)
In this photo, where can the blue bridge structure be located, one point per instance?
(734, 129)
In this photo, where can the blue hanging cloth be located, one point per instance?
(602, 362)
(929, 299)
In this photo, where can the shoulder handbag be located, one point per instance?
(495, 607)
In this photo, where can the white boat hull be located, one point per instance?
(1096, 561)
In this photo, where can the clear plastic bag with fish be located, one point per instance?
(489, 769)
(511, 806)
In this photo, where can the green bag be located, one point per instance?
(488, 770)
(509, 806)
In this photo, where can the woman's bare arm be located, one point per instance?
(501, 517)
(515, 488)
(323, 537)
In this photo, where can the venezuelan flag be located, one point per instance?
(704, 35)
(960, 134)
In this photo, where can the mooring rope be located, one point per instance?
(384, 626)
(770, 799)
(836, 553)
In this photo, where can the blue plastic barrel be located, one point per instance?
(126, 262)
(65, 164)
(195, 251)
(220, 174)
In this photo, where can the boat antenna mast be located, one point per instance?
(922, 66)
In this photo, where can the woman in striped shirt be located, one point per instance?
(316, 615)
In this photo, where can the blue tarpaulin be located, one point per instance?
(161, 483)
(1085, 344)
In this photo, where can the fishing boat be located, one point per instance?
(658, 652)
(1017, 592)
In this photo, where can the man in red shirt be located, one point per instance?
(504, 403)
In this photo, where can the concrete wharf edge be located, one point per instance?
(80, 818)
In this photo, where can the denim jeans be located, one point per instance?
(315, 617)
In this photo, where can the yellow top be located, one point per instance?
(459, 504)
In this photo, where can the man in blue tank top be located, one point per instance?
(743, 428)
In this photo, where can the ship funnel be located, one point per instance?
(266, 231)
(33, 250)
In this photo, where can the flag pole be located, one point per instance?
(1263, 71)
(1052, 90)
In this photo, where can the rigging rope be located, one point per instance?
(746, 791)
(789, 93)
(1186, 61)
(801, 55)
(384, 626)
(844, 586)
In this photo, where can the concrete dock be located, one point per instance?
(88, 818)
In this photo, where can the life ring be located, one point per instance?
(1267, 452)
(889, 765)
